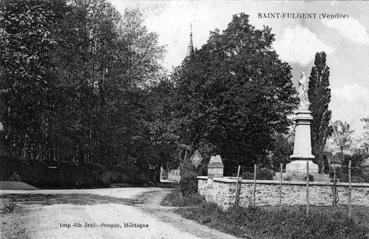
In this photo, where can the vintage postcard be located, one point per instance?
(184, 119)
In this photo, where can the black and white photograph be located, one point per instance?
(194, 119)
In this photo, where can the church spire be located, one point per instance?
(190, 50)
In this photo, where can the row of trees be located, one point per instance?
(81, 82)
(78, 83)
(75, 79)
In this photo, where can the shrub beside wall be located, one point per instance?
(262, 174)
(188, 183)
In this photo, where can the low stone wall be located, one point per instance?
(223, 192)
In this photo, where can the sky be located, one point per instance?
(297, 39)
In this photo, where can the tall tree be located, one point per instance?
(161, 125)
(234, 94)
(319, 97)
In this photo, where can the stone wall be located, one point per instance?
(223, 192)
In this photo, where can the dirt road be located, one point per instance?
(96, 213)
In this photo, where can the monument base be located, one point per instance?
(323, 178)
(299, 167)
(296, 171)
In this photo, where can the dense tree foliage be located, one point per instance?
(344, 145)
(342, 137)
(364, 139)
(319, 97)
(77, 81)
(27, 88)
(234, 94)
(282, 150)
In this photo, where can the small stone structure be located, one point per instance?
(171, 174)
(215, 167)
(223, 192)
(174, 175)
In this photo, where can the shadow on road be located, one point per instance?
(72, 198)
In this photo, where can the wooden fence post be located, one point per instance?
(307, 188)
(255, 171)
(280, 187)
(237, 185)
(334, 187)
(350, 189)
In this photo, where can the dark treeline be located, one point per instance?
(76, 83)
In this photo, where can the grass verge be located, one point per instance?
(176, 199)
(256, 222)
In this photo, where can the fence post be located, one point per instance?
(255, 171)
(237, 185)
(307, 188)
(334, 187)
(280, 188)
(350, 190)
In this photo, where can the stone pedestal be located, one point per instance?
(302, 146)
(299, 166)
(215, 167)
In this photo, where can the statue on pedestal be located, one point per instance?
(303, 92)
(302, 155)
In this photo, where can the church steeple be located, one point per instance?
(190, 50)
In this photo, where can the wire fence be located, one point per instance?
(336, 175)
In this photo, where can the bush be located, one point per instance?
(9, 165)
(247, 175)
(265, 174)
(15, 177)
(187, 166)
(262, 174)
(188, 183)
(175, 198)
(358, 175)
